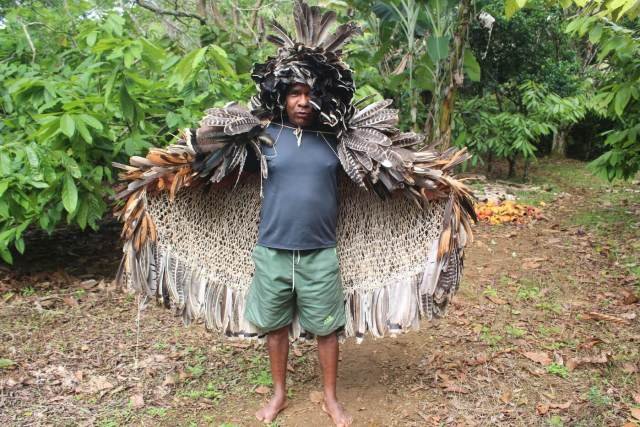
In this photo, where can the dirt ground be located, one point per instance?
(544, 331)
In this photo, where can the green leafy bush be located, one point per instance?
(100, 94)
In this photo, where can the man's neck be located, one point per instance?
(315, 126)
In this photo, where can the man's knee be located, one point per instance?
(279, 334)
(329, 338)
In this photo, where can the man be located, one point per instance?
(303, 124)
(295, 258)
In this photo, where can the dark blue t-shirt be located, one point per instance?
(300, 204)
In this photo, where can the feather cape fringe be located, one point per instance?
(374, 154)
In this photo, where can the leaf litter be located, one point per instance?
(486, 363)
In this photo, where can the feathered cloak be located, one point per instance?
(403, 223)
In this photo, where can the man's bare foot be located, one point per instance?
(270, 411)
(337, 413)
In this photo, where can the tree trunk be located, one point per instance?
(489, 163)
(215, 14)
(438, 125)
(512, 167)
(559, 145)
(525, 173)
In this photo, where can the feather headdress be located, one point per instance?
(312, 57)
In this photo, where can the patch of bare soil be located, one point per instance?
(543, 332)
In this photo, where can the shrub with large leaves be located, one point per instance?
(611, 30)
(101, 93)
(504, 130)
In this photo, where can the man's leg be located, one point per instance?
(278, 348)
(328, 355)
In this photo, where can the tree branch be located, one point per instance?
(254, 14)
(33, 48)
(177, 14)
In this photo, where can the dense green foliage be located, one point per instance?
(532, 86)
(100, 93)
(618, 94)
(609, 32)
(490, 129)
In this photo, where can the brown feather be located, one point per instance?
(153, 231)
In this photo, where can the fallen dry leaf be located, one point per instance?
(152, 362)
(137, 401)
(635, 413)
(316, 396)
(95, 384)
(454, 388)
(263, 389)
(590, 343)
(506, 397)
(297, 352)
(629, 315)
(636, 397)
(183, 375)
(560, 405)
(530, 265)
(607, 317)
(480, 359)
(496, 300)
(628, 297)
(575, 362)
(70, 301)
(542, 409)
(629, 368)
(538, 357)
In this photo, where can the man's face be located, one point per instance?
(299, 110)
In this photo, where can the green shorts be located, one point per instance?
(286, 281)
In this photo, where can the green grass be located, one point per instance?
(550, 307)
(558, 370)
(6, 363)
(527, 291)
(156, 411)
(555, 421)
(566, 174)
(160, 345)
(489, 337)
(535, 198)
(490, 292)
(211, 392)
(600, 220)
(259, 374)
(546, 331)
(261, 377)
(515, 331)
(597, 398)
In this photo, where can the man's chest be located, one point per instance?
(311, 154)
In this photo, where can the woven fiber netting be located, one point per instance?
(215, 229)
